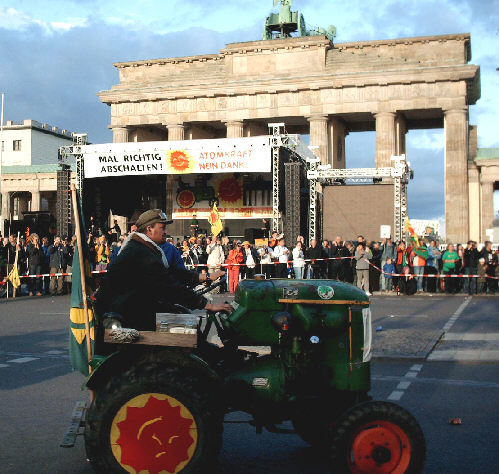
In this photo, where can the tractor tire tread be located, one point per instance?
(371, 410)
(149, 376)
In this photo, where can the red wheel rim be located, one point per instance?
(379, 447)
(153, 433)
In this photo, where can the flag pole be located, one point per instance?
(2, 230)
(15, 263)
(82, 275)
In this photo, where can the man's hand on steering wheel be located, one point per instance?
(215, 308)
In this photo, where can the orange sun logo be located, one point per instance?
(230, 190)
(154, 433)
(179, 161)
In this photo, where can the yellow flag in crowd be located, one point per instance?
(215, 221)
(412, 234)
(14, 276)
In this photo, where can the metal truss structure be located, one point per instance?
(292, 210)
(398, 175)
(275, 130)
(64, 206)
(279, 138)
(79, 139)
(312, 213)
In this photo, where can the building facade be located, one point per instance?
(315, 87)
(29, 164)
(483, 175)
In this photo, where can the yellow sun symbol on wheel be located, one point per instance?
(153, 433)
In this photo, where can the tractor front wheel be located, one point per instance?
(378, 437)
(157, 420)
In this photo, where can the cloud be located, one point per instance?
(66, 68)
(426, 139)
(12, 19)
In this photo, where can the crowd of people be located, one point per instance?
(52, 255)
(377, 266)
(371, 266)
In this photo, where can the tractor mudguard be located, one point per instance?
(120, 361)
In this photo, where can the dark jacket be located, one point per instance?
(313, 253)
(11, 253)
(471, 257)
(35, 255)
(68, 255)
(57, 255)
(137, 282)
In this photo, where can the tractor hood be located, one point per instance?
(311, 304)
(300, 291)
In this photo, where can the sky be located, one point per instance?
(56, 55)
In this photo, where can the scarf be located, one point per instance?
(140, 236)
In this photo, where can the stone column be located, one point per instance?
(337, 134)
(385, 139)
(319, 136)
(120, 134)
(474, 199)
(487, 205)
(176, 131)
(456, 175)
(5, 210)
(35, 200)
(235, 129)
(400, 132)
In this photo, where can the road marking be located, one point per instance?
(54, 352)
(465, 354)
(457, 313)
(485, 353)
(431, 380)
(396, 395)
(38, 355)
(471, 336)
(411, 374)
(4, 365)
(404, 384)
(23, 360)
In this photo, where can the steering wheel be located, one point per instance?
(212, 286)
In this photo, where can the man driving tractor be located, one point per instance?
(140, 282)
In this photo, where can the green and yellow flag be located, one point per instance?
(78, 352)
(412, 234)
(215, 221)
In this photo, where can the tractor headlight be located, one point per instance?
(368, 334)
(112, 320)
(111, 323)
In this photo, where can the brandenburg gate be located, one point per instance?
(315, 87)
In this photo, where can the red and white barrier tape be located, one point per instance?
(277, 263)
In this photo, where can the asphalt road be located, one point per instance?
(436, 356)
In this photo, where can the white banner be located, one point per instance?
(223, 155)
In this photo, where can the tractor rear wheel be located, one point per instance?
(378, 437)
(162, 420)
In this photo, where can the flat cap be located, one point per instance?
(151, 217)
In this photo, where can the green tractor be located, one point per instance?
(161, 397)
